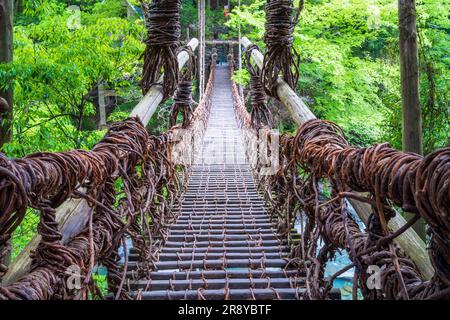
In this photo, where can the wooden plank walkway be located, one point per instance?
(223, 245)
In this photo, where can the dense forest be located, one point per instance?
(73, 58)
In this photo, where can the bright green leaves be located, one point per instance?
(349, 70)
(251, 17)
(56, 70)
(241, 77)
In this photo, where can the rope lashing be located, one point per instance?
(260, 113)
(280, 57)
(183, 95)
(13, 206)
(160, 56)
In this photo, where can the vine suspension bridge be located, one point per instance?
(221, 206)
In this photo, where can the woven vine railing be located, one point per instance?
(318, 170)
(130, 178)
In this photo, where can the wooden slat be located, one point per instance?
(409, 241)
(73, 214)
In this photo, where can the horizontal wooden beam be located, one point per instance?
(409, 241)
(73, 215)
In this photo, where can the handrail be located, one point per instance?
(409, 241)
(73, 215)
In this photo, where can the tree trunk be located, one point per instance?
(409, 62)
(101, 105)
(6, 55)
(409, 70)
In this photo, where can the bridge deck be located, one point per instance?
(223, 244)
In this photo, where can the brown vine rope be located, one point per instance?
(183, 95)
(260, 113)
(160, 56)
(417, 184)
(280, 56)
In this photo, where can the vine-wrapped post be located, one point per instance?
(183, 95)
(160, 56)
(6, 56)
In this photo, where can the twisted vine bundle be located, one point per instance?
(137, 208)
(280, 57)
(51, 178)
(418, 184)
(160, 56)
(183, 95)
(260, 113)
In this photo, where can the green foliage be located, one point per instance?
(434, 41)
(349, 71)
